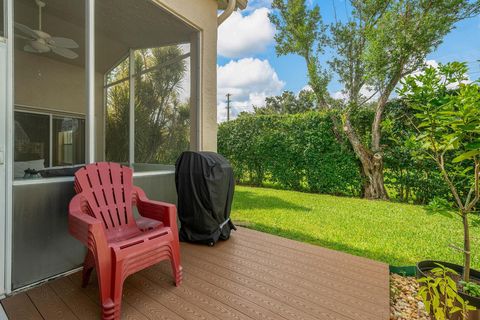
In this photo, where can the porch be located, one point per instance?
(251, 276)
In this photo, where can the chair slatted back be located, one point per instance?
(107, 187)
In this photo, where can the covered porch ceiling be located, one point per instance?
(120, 25)
(241, 4)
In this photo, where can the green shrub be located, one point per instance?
(296, 152)
(301, 152)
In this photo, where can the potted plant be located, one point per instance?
(447, 109)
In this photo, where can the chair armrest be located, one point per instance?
(157, 210)
(140, 239)
(84, 227)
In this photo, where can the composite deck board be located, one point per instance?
(49, 304)
(21, 307)
(312, 250)
(74, 296)
(319, 303)
(92, 293)
(352, 295)
(291, 266)
(355, 272)
(253, 276)
(320, 295)
(194, 296)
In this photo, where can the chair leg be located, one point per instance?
(112, 299)
(176, 267)
(88, 266)
(108, 310)
(111, 308)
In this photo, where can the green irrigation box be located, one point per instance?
(404, 270)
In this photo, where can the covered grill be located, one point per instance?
(205, 187)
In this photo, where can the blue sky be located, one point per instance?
(249, 68)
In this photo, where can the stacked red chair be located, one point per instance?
(101, 217)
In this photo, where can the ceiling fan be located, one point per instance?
(41, 42)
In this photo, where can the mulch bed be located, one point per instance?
(404, 301)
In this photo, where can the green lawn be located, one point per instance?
(398, 234)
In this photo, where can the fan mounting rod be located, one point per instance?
(40, 5)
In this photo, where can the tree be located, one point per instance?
(288, 103)
(381, 43)
(162, 121)
(448, 108)
(301, 31)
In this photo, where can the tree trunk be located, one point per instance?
(466, 247)
(372, 165)
(374, 183)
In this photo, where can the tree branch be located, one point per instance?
(446, 177)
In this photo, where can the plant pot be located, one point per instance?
(424, 266)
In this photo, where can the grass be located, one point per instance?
(398, 234)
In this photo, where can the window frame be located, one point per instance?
(194, 103)
(3, 26)
(51, 113)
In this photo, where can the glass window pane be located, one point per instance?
(32, 142)
(116, 122)
(68, 139)
(162, 104)
(120, 72)
(2, 18)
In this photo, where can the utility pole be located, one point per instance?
(228, 106)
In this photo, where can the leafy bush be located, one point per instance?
(439, 293)
(296, 152)
(409, 176)
(300, 152)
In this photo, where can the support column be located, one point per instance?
(195, 93)
(90, 78)
(131, 113)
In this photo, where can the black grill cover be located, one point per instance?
(205, 186)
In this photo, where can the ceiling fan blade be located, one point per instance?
(66, 53)
(62, 43)
(26, 30)
(29, 48)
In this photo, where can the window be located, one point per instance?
(68, 141)
(161, 107)
(47, 140)
(3, 13)
(32, 137)
(117, 101)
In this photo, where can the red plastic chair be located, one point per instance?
(101, 217)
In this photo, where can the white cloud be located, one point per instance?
(249, 81)
(428, 63)
(241, 36)
(435, 64)
(366, 92)
(306, 88)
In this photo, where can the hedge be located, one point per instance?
(298, 152)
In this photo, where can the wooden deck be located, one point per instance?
(251, 276)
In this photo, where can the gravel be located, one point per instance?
(404, 301)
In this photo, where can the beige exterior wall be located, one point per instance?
(202, 14)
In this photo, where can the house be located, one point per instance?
(85, 81)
